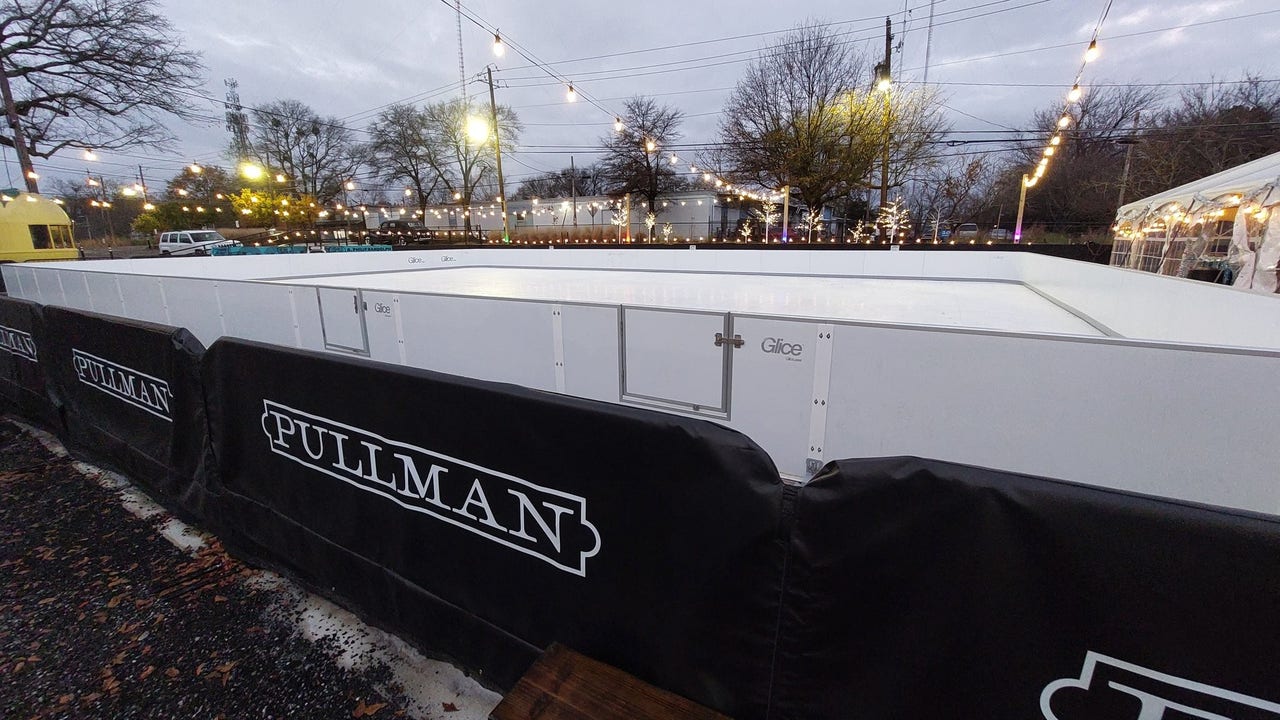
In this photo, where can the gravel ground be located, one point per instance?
(101, 617)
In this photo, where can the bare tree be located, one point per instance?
(316, 155)
(960, 190)
(464, 162)
(638, 159)
(92, 74)
(1078, 192)
(584, 181)
(804, 115)
(401, 148)
(1208, 129)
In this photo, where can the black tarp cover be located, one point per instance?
(490, 520)
(22, 380)
(921, 589)
(131, 397)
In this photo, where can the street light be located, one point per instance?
(348, 185)
(251, 171)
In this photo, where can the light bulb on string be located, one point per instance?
(498, 48)
(1092, 53)
(1064, 121)
(1074, 95)
(617, 124)
(1056, 140)
(571, 95)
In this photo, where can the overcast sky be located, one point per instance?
(348, 59)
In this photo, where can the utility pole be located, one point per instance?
(497, 151)
(928, 43)
(884, 80)
(462, 68)
(1128, 158)
(573, 189)
(19, 137)
(142, 180)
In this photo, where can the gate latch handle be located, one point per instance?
(735, 341)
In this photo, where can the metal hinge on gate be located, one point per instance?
(735, 341)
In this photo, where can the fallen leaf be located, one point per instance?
(172, 672)
(450, 707)
(226, 667)
(219, 598)
(114, 601)
(147, 673)
(46, 601)
(66, 699)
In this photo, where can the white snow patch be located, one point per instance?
(49, 442)
(426, 683)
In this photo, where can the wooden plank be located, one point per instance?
(565, 685)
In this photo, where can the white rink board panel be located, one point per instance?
(75, 290)
(948, 303)
(771, 398)
(1139, 418)
(260, 311)
(381, 321)
(670, 357)
(143, 299)
(105, 293)
(502, 341)
(590, 346)
(49, 288)
(193, 304)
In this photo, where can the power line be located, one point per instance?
(701, 63)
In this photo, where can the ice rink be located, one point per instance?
(948, 303)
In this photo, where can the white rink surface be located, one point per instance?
(946, 303)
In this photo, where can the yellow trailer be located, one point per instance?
(34, 228)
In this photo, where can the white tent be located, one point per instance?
(1225, 220)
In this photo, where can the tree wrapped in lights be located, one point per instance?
(667, 229)
(811, 222)
(621, 218)
(894, 217)
(861, 232)
(768, 215)
(745, 231)
(650, 220)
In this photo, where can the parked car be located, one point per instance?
(400, 225)
(402, 232)
(192, 242)
(965, 231)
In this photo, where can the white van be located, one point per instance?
(192, 242)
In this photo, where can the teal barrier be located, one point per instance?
(259, 250)
(295, 249)
(357, 248)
